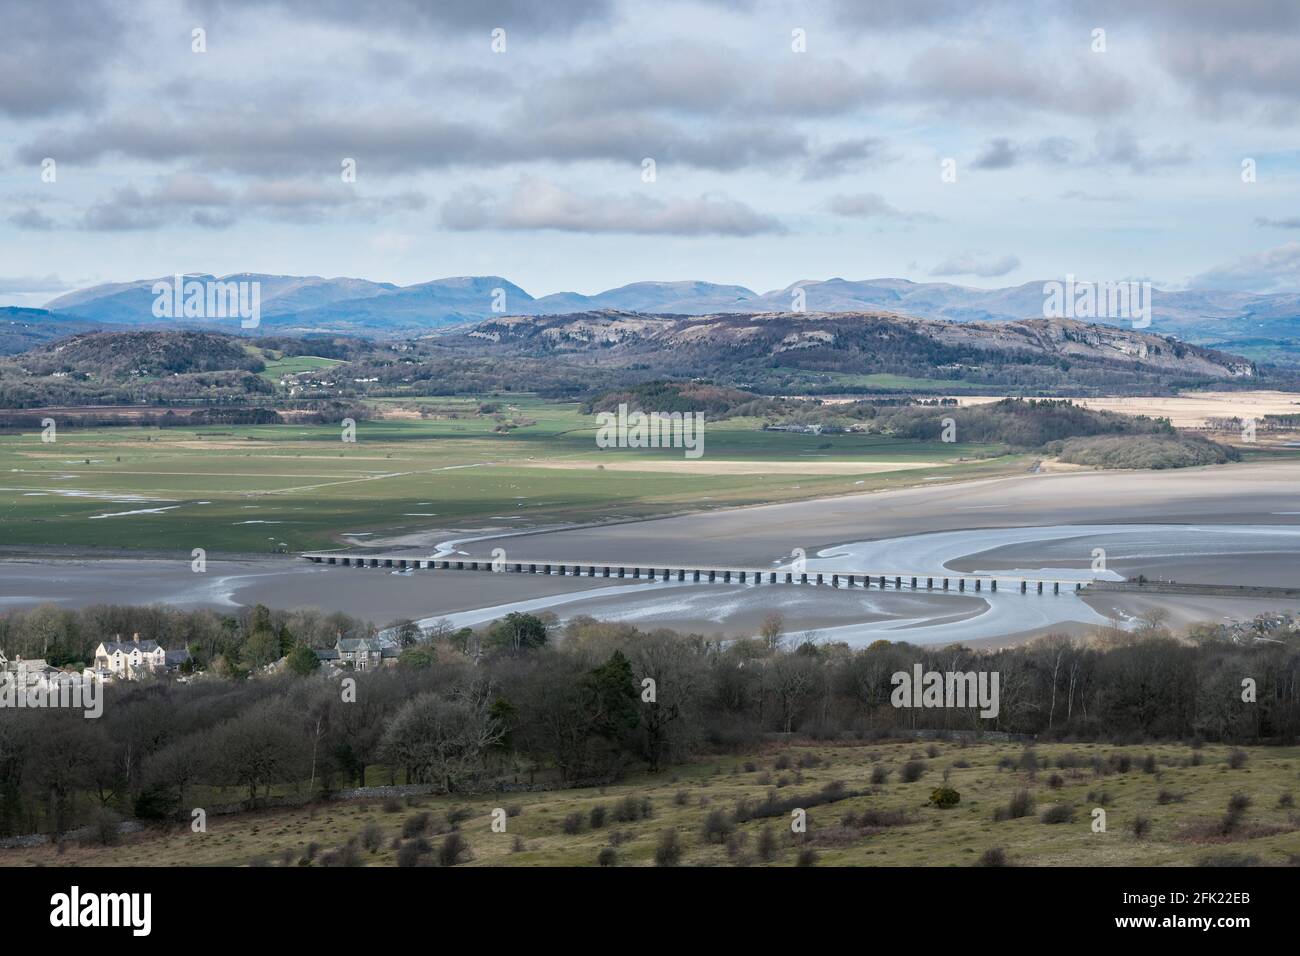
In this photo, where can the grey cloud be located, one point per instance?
(24, 285)
(848, 156)
(1272, 270)
(976, 264)
(1000, 153)
(1121, 148)
(190, 198)
(536, 204)
(1110, 148)
(870, 206)
(399, 142)
(989, 76)
(1289, 222)
(904, 14)
(1237, 69)
(31, 218)
(53, 54)
(708, 80)
(1003, 153)
(402, 16)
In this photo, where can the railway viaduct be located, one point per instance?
(679, 573)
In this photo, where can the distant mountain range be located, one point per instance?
(305, 304)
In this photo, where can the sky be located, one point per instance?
(578, 145)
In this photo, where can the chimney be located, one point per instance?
(136, 637)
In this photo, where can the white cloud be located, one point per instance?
(536, 204)
(1272, 270)
(976, 264)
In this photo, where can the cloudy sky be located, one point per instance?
(598, 142)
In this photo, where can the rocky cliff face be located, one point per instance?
(626, 335)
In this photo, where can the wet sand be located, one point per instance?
(1253, 494)
(1265, 494)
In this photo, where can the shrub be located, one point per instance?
(669, 850)
(879, 775)
(1058, 813)
(597, 816)
(349, 854)
(1238, 803)
(627, 810)
(995, 856)
(607, 856)
(391, 805)
(1165, 797)
(574, 823)
(932, 751)
(1237, 758)
(782, 762)
(1056, 781)
(1149, 763)
(718, 825)
(415, 825)
(1285, 801)
(807, 857)
(767, 844)
(1020, 805)
(372, 837)
(911, 771)
(681, 798)
(1140, 826)
(454, 850)
(104, 827)
(411, 852)
(945, 797)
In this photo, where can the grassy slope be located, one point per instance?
(954, 837)
(314, 486)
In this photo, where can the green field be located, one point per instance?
(909, 831)
(277, 368)
(253, 488)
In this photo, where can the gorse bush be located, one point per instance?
(945, 797)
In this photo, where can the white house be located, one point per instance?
(129, 660)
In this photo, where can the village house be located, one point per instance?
(33, 673)
(133, 659)
(364, 653)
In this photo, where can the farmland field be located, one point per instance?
(1182, 791)
(257, 488)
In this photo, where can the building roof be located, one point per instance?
(351, 645)
(178, 656)
(126, 647)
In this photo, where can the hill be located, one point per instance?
(313, 304)
(781, 352)
(23, 329)
(122, 368)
